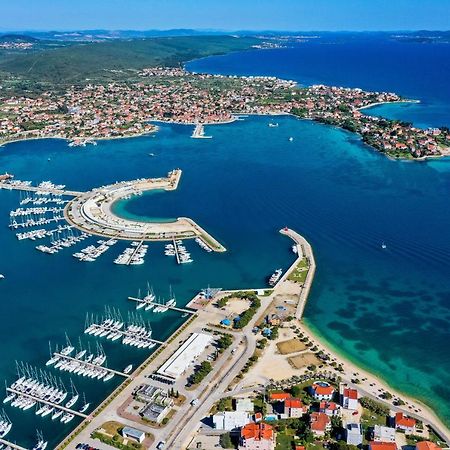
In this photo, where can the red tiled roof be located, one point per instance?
(351, 393)
(328, 405)
(382, 446)
(293, 403)
(427, 445)
(401, 420)
(257, 431)
(299, 447)
(279, 396)
(319, 421)
(323, 390)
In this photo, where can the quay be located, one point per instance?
(304, 249)
(174, 308)
(92, 212)
(94, 366)
(11, 444)
(45, 402)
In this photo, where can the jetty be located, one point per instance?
(89, 364)
(199, 132)
(46, 402)
(304, 250)
(173, 308)
(11, 444)
(24, 186)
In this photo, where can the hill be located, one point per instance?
(110, 60)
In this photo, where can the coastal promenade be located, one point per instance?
(92, 212)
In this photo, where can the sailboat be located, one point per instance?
(85, 406)
(383, 245)
(74, 397)
(41, 444)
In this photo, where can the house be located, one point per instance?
(382, 446)
(348, 397)
(354, 434)
(427, 445)
(257, 436)
(405, 423)
(320, 423)
(245, 404)
(383, 434)
(279, 396)
(134, 434)
(230, 420)
(329, 408)
(293, 407)
(321, 390)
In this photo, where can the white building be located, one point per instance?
(245, 404)
(230, 420)
(186, 355)
(354, 434)
(383, 434)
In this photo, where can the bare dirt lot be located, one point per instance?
(290, 346)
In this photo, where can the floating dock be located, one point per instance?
(45, 402)
(174, 308)
(94, 366)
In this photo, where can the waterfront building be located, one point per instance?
(348, 397)
(405, 423)
(321, 390)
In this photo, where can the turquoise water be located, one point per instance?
(389, 310)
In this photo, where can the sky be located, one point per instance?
(292, 15)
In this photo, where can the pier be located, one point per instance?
(125, 333)
(45, 402)
(304, 249)
(94, 366)
(177, 254)
(11, 444)
(174, 308)
(25, 187)
(199, 132)
(138, 247)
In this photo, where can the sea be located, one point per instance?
(387, 310)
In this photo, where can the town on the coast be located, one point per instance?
(87, 113)
(242, 369)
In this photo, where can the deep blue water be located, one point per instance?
(388, 310)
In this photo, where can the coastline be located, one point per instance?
(426, 413)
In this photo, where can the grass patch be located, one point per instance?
(300, 271)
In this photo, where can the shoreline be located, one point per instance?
(427, 413)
